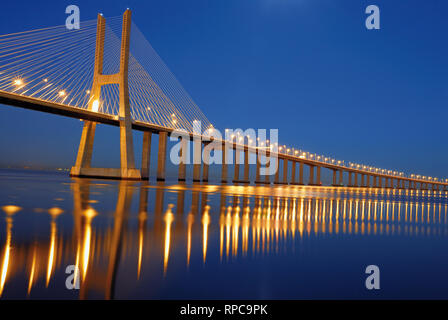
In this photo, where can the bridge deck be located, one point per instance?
(21, 101)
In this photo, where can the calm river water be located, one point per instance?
(137, 240)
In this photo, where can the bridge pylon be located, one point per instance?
(82, 166)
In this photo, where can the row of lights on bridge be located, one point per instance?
(238, 138)
(281, 149)
(19, 83)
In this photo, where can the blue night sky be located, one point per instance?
(307, 67)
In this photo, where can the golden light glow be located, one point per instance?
(89, 214)
(32, 272)
(205, 224)
(95, 105)
(169, 218)
(190, 220)
(141, 234)
(11, 209)
(51, 253)
(55, 211)
(7, 252)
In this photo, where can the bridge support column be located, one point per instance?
(146, 154)
(301, 173)
(380, 182)
(277, 173)
(84, 158)
(311, 177)
(368, 181)
(350, 182)
(356, 179)
(196, 172)
(373, 181)
(197, 159)
(363, 180)
(224, 173)
(205, 167)
(334, 184)
(257, 173)
(285, 171)
(293, 172)
(183, 159)
(341, 178)
(246, 165)
(236, 175)
(161, 156)
(318, 182)
(267, 178)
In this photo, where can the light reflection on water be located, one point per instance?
(140, 240)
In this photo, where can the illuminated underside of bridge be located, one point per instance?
(108, 73)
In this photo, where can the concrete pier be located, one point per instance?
(293, 172)
(161, 156)
(318, 182)
(258, 168)
(146, 154)
(224, 172)
(301, 174)
(205, 166)
(334, 184)
(277, 173)
(311, 176)
(285, 172)
(183, 159)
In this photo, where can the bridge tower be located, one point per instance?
(82, 166)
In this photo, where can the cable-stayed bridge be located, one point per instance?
(107, 72)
